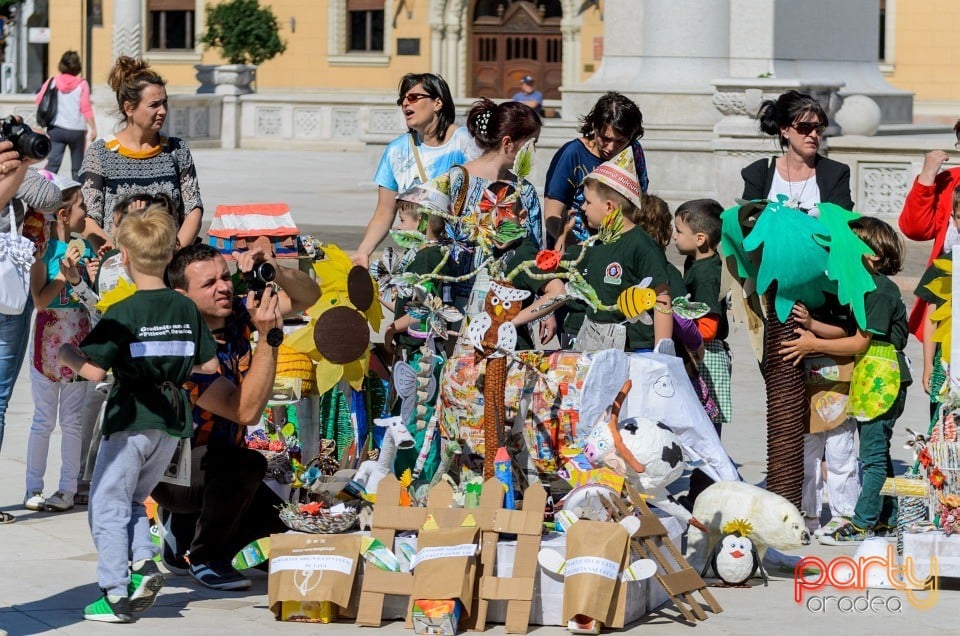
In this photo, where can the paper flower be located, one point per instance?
(924, 458)
(312, 508)
(937, 478)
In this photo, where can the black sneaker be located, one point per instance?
(847, 534)
(219, 576)
(106, 610)
(172, 558)
(145, 582)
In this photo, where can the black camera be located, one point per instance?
(259, 277)
(26, 142)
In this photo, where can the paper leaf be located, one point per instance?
(523, 164)
(407, 238)
(732, 241)
(507, 232)
(791, 257)
(845, 264)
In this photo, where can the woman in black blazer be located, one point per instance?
(800, 173)
(806, 179)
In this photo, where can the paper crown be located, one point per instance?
(620, 173)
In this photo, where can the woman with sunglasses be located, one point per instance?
(928, 214)
(614, 123)
(432, 145)
(805, 177)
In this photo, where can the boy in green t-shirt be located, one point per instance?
(878, 389)
(153, 341)
(697, 235)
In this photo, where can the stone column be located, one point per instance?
(570, 31)
(127, 29)
(663, 55)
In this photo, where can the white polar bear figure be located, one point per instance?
(776, 522)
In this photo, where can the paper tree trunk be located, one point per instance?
(787, 409)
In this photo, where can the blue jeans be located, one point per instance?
(14, 334)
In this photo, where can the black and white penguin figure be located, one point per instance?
(735, 559)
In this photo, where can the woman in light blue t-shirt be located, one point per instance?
(432, 145)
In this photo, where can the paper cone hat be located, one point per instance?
(620, 173)
(434, 194)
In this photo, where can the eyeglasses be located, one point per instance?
(807, 127)
(413, 98)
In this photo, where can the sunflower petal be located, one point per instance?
(328, 374)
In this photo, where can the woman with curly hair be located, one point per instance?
(139, 158)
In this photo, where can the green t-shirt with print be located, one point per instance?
(151, 340)
(611, 268)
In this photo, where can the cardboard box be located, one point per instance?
(436, 617)
(309, 570)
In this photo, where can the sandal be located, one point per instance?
(81, 499)
(6, 517)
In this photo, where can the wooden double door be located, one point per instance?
(513, 39)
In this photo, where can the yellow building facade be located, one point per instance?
(477, 45)
(361, 45)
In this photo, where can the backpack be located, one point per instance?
(47, 109)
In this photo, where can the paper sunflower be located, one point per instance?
(738, 526)
(338, 334)
(122, 291)
(942, 316)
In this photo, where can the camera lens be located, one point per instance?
(33, 145)
(266, 272)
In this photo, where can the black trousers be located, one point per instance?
(60, 140)
(226, 506)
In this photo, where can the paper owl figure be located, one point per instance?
(493, 329)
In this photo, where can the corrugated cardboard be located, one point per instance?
(593, 595)
(450, 577)
(318, 579)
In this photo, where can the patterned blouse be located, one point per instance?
(111, 172)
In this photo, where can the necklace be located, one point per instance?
(795, 199)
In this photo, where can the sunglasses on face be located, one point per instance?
(413, 98)
(807, 127)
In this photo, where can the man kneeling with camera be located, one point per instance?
(227, 505)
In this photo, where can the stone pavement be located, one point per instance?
(47, 560)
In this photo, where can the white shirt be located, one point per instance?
(803, 195)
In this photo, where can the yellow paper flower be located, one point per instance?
(941, 287)
(122, 291)
(332, 273)
(741, 526)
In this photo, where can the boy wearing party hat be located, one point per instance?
(624, 256)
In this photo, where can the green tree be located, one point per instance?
(245, 32)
